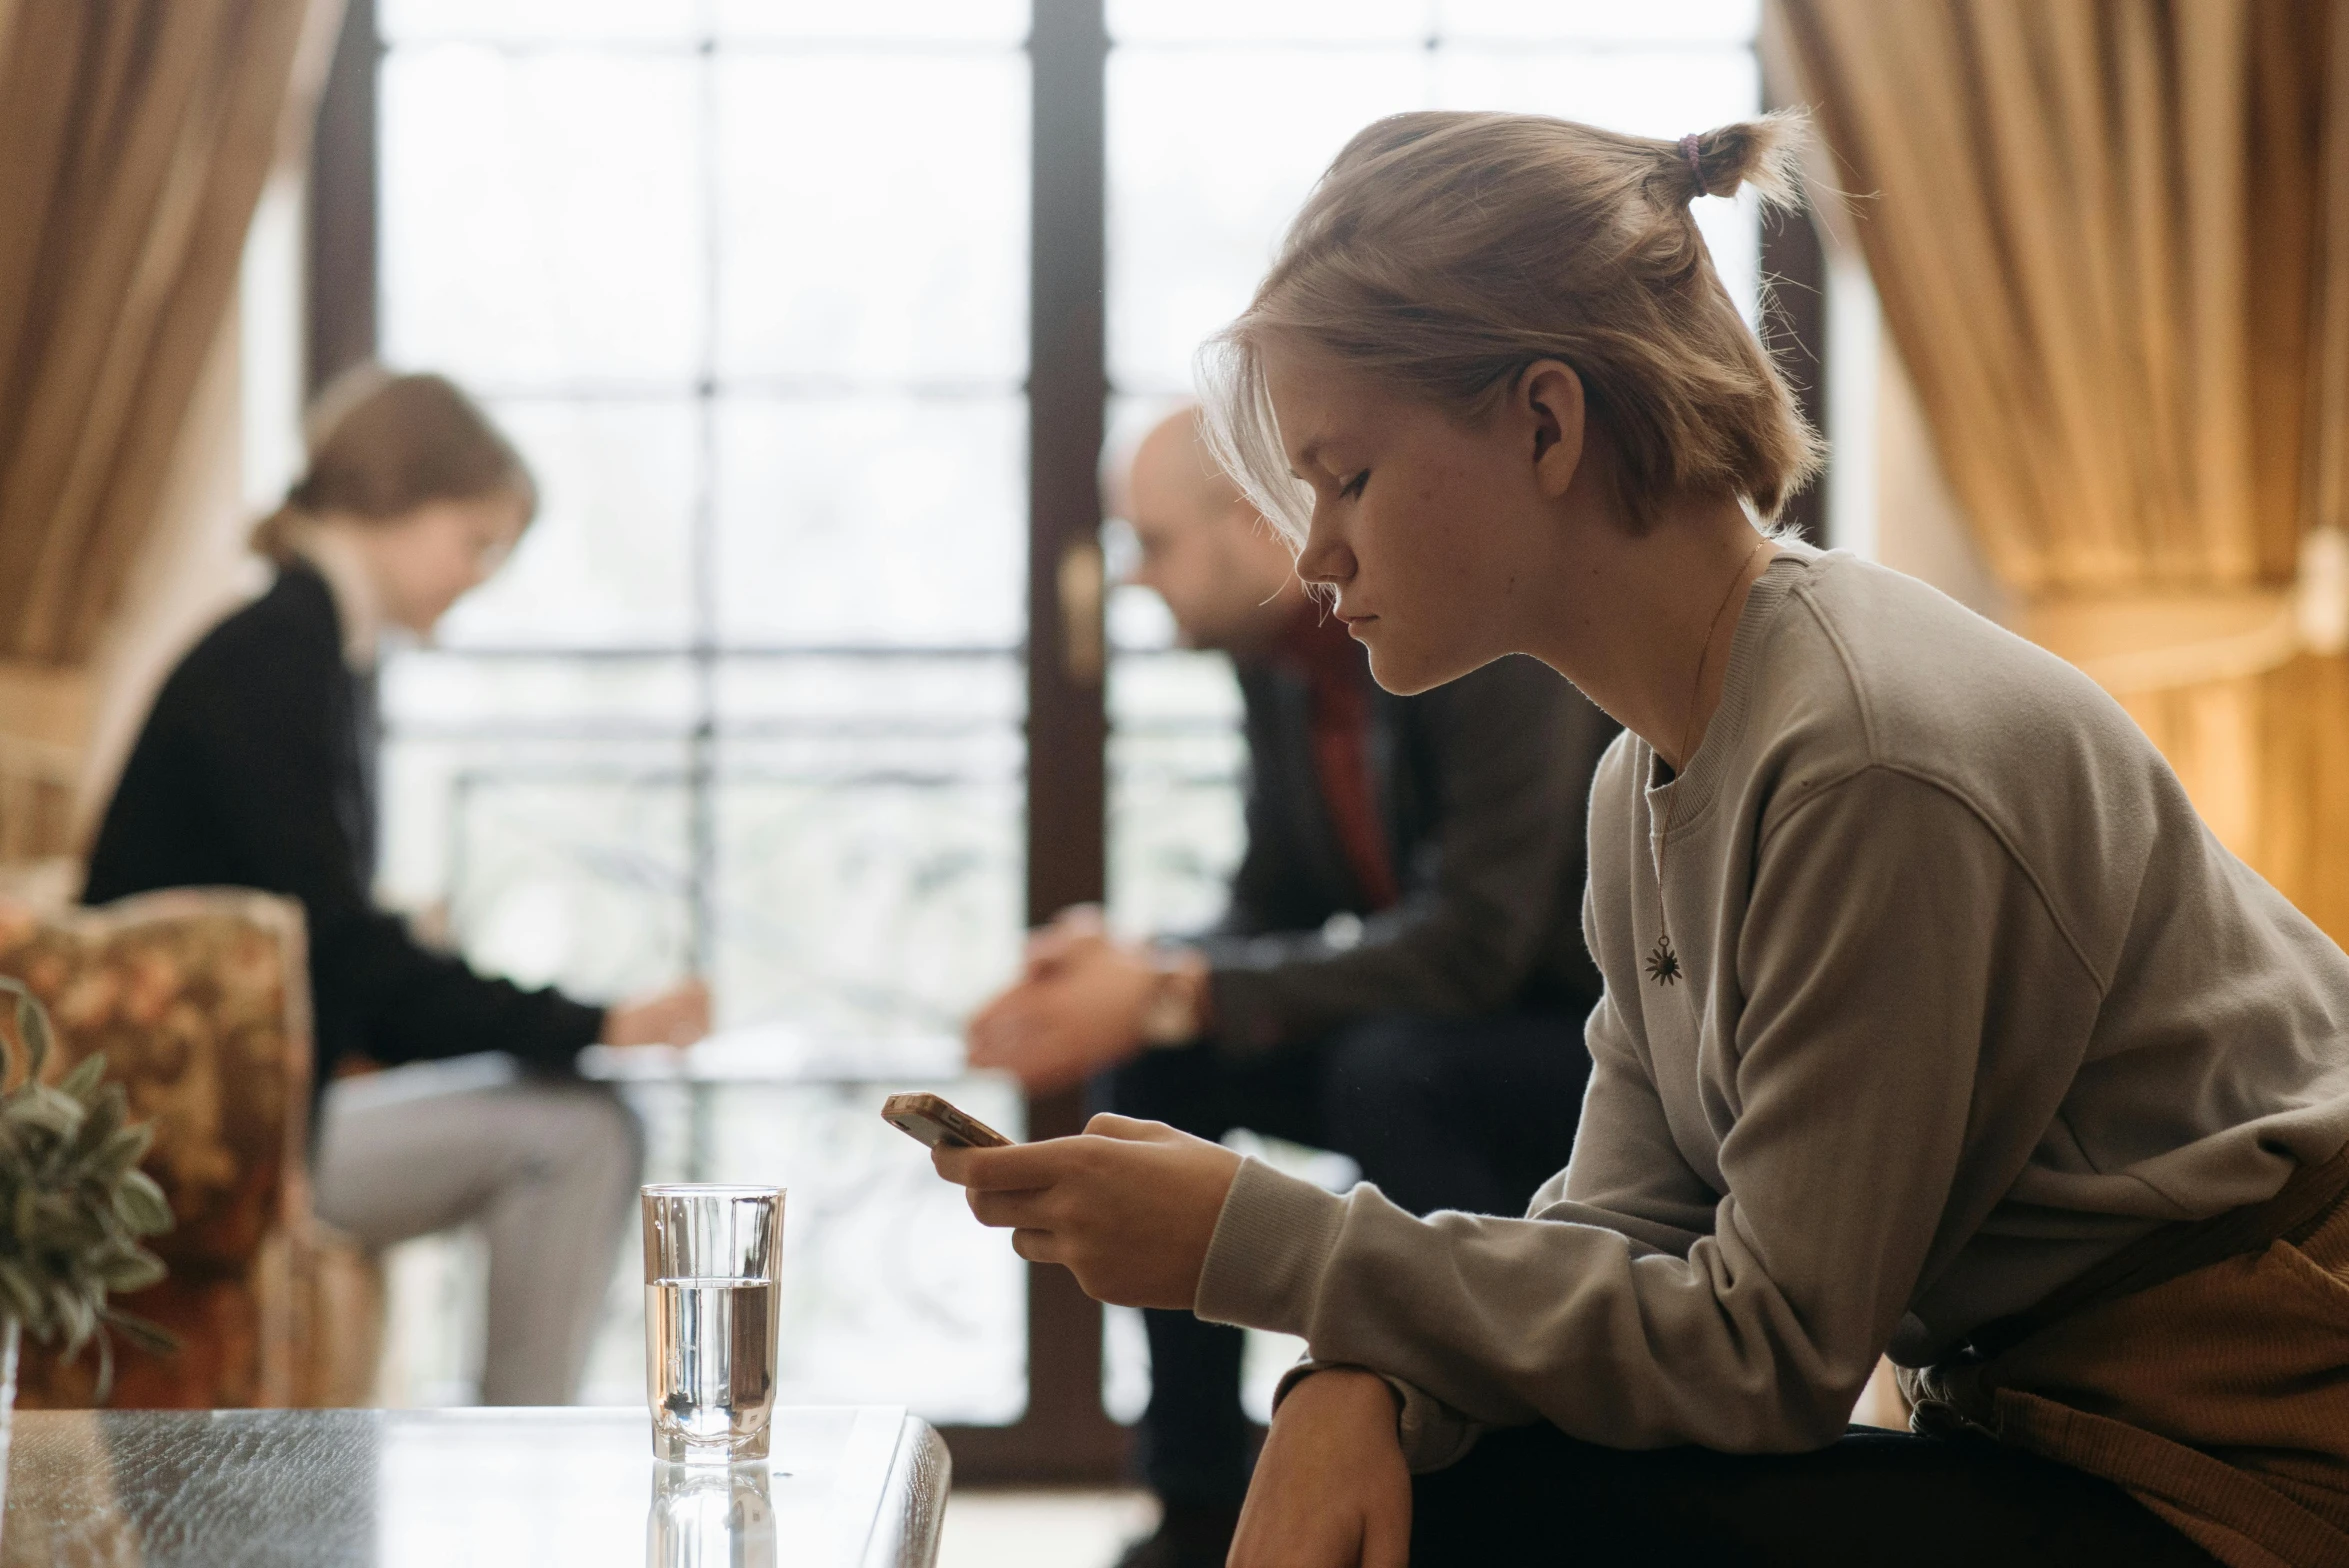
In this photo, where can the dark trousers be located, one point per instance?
(1467, 1114)
(1534, 1496)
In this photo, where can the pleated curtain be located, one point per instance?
(135, 136)
(2111, 238)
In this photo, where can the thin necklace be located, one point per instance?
(1663, 962)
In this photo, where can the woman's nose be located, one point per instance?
(1325, 557)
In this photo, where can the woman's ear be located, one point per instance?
(1549, 397)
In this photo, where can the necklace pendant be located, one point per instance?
(1663, 962)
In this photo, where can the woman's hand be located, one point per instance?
(1331, 1488)
(677, 1016)
(1128, 1208)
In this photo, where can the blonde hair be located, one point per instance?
(382, 445)
(1446, 251)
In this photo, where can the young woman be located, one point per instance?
(1935, 1020)
(256, 768)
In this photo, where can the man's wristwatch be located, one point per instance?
(1175, 1011)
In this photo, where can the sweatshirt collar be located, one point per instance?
(1700, 780)
(357, 607)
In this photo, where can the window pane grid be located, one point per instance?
(748, 701)
(690, 557)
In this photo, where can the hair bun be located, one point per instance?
(1761, 153)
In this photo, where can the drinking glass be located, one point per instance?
(711, 1261)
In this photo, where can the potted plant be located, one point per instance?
(73, 1207)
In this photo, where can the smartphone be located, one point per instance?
(926, 1118)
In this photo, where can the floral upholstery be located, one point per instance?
(198, 998)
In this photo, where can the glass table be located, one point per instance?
(847, 1487)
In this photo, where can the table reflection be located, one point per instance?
(178, 1489)
(461, 1489)
(711, 1516)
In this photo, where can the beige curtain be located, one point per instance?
(137, 135)
(2112, 242)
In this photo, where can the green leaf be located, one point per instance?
(133, 1271)
(103, 1390)
(83, 1081)
(151, 1337)
(32, 1021)
(74, 1312)
(123, 1148)
(38, 1105)
(108, 1110)
(141, 1206)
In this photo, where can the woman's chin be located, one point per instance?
(1406, 672)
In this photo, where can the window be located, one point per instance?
(748, 283)
(751, 294)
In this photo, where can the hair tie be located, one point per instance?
(1696, 164)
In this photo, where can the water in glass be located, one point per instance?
(710, 1345)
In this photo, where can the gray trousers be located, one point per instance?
(548, 1168)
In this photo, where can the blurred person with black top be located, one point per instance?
(257, 768)
(1399, 976)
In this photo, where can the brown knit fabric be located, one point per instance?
(2218, 1397)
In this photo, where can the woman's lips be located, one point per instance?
(1355, 623)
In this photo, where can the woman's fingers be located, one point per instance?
(1014, 1168)
(1037, 1246)
(1005, 1210)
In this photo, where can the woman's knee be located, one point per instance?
(587, 1124)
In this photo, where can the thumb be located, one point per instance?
(1108, 1124)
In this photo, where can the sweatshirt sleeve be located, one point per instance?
(266, 739)
(1880, 910)
(1515, 746)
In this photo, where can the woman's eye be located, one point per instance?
(1354, 485)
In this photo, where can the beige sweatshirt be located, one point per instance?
(1970, 999)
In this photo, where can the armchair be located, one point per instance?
(199, 999)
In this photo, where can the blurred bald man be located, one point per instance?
(1400, 975)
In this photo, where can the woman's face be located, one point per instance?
(1428, 528)
(430, 558)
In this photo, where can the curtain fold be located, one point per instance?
(138, 135)
(2111, 238)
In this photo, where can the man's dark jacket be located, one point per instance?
(256, 769)
(1483, 787)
